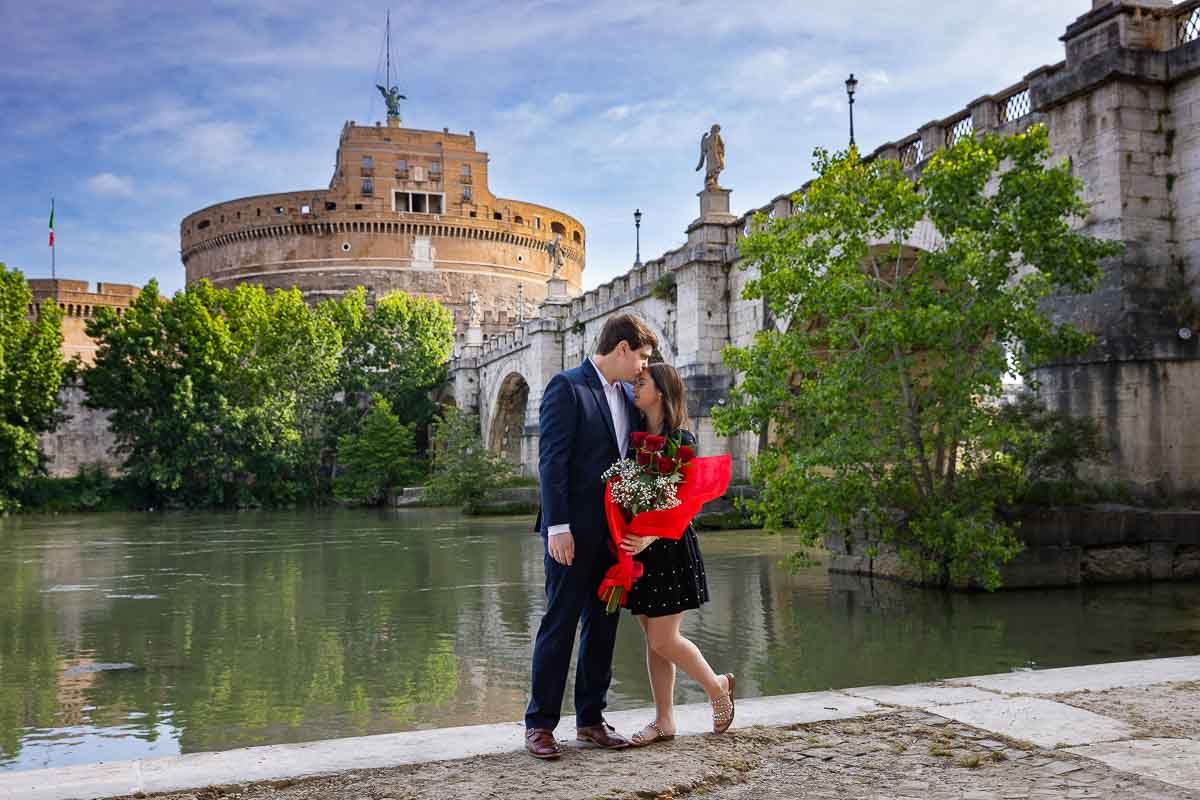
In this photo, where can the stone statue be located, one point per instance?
(392, 97)
(712, 151)
(473, 319)
(557, 256)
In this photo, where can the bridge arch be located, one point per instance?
(507, 415)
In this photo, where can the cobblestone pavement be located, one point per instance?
(908, 754)
(1166, 710)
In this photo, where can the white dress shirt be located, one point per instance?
(614, 393)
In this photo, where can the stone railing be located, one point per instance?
(1007, 111)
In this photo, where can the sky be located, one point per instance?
(134, 114)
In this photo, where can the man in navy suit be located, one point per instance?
(587, 414)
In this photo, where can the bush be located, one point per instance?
(378, 459)
(92, 489)
(463, 472)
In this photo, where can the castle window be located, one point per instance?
(435, 170)
(368, 162)
(368, 186)
(519, 219)
(466, 194)
(466, 170)
(559, 228)
(497, 215)
(537, 223)
(305, 210)
(416, 203)
(202, 224)
(330, 205)
(279, 211)
(258, 212)
(402, 168)
(358, 206)
(578, 239)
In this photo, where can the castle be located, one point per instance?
(406, 210)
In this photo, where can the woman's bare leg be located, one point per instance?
(663, 638)
(662, 684)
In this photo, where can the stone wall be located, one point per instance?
(84, 438)
(1065, 547)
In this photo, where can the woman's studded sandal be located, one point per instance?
(723, 707)
(657, 735)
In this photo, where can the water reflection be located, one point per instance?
(132, 636)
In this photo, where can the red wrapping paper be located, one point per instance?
(704, 479)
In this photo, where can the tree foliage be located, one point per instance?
(879, 397)
(399, 348)
(377, 459)
(213, 394)
(31, 373)
(464, 472)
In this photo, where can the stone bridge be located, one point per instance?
(1124, 106)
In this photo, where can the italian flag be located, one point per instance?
(51, 224)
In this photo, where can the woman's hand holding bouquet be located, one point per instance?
(655, 491)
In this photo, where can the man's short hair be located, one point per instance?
(625, 328)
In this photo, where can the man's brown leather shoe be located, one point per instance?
(602, 734)
(540, 743)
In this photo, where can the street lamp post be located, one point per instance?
(851, 86)
(637, 224)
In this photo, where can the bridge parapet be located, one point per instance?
(1122, 107)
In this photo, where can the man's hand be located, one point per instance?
(635, 544)
(562, 547)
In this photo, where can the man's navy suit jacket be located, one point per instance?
(577, 444)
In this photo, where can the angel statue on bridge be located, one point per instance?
(712, 151)
(392, 97)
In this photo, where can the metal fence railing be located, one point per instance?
(961, 128)
(1189, 26)
(1016, 107)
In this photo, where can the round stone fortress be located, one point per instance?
(406, 210)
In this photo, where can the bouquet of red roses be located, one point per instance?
(655, 492)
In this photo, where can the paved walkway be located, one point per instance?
(1109, 730)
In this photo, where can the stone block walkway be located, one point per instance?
(1128, 730)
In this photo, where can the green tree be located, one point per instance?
(379, 458)
(878, 399)
(398, 348)
(213, 393)
(464, 472)
(31, 373)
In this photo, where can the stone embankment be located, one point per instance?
(1066, 547)
(1102, 731)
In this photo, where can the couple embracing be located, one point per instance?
(587, 416)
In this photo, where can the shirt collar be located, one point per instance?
(604, 382)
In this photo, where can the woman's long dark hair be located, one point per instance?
(674, 395)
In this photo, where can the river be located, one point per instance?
(139, 635)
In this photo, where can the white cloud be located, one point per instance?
(106, 183)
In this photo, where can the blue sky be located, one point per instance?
(135, 114)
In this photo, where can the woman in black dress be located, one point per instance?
(673, 580)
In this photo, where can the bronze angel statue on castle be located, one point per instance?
(392, 97)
